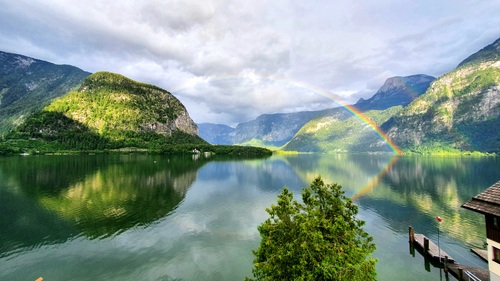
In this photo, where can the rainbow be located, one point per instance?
(368, 187)
(301, 85)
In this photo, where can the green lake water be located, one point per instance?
(140, 217)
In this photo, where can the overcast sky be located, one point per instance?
(230, 61)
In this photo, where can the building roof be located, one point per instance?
(486, 202)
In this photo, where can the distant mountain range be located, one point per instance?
(459, 111)
(267, 129)
(306, 131)
(65, 106)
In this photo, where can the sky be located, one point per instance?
(231, 61)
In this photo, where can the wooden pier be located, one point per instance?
(462, 272)
(441, 259)
(429, 248)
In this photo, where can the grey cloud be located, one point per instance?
(344, 48)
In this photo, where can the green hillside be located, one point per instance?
(459, 112)
(27, 85)
(116, 107)
(110, 112)
(339, 131)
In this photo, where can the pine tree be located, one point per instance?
(318, 239)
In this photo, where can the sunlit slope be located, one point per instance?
(341, 131)
(110, 104)
(459, 112)
(109, 111)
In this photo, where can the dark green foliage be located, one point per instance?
(51, 132)
(319, 239)
(27, 85)
(55, 130)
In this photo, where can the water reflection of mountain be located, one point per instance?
(270, 174)
(416, 189)
(409, 190)
(353, 172)
(51, 199)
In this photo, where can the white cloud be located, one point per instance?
(229, 61)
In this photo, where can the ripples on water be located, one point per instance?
(137, 217)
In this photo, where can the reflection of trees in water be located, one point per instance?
(54, 198)
(353, 172)
(416, 189)
(410, 190)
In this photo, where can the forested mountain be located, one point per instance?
(111, 104)
(111, 111)
(460, 111)
(27, 85)
(341, 130)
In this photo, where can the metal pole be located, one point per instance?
(439, 253)
(439, 247)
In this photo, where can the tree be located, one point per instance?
(318, 239)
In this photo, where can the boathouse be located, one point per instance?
(488, 204)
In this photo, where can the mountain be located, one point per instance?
(215, 133)
(312, 131)
(112, 111)
(396, 91)
(272, 129)
(488, 53)
(28, 84)
(265, 130)
(111, 104)
(343, 130)
(460, 110)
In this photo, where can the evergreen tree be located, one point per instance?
(318, 239)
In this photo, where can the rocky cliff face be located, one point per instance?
(397, 91)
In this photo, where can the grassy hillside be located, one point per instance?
(459, 112)
(339, 131)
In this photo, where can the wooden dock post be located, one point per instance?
(411, 234)
(460, 274)
(446, 264)
(426, 245)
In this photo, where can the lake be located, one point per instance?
(141, 217)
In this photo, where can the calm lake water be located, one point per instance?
(139, 217)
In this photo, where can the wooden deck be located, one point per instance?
(433, 250)
(483, 254)
(462, 272)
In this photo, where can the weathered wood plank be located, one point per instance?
(483, 254)
(479, 273)
(433, 251)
